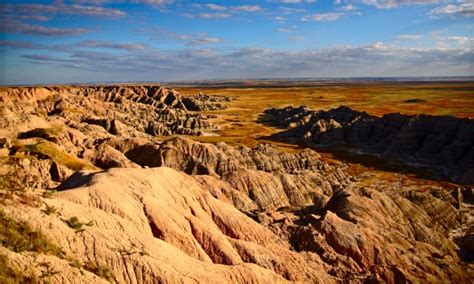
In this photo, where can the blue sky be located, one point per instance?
(45, 42)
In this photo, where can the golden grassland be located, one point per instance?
(239, 122)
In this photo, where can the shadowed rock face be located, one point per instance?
(441, 143)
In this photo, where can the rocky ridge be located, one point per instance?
(440, 143)
(146, 211)
(156, 110)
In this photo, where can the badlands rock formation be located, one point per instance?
(113, 204)
(442, 143)
(156, 110)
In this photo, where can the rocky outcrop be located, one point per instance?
(265, 177)
(203, 102)
(159, 225)
(349, 232)
(157, 111)
(442, 143)
(131, 208)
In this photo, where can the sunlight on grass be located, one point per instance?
(50, 150)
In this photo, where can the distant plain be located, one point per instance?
(239, 123)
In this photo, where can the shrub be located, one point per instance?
(49, 193)
(20, 236)
(74, 223)
(99, 270)
(50, 209)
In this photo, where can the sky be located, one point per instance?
(79, 41)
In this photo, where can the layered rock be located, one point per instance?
(159, 225)
(436, 142)
(265, 177)
(353, 226)
(157, 111)
(213, 212)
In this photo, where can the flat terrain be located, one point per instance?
(239, 122)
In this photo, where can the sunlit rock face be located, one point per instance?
(84, 166)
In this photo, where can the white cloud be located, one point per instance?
(215, 7)
(450, 41)
(154, 2)
(160, 35)
(460, 9)
(288, 10)
(73, 9)
(241, 8)
(349, 7)
(323, 17)
(378, 59)
(409, 37)
(280, 19)
(16, 27)
(207, 16)
(204, 40)
(297, 1)
(110, 45)
(387, 4)
(248, 8)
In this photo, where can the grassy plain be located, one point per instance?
(239, 122)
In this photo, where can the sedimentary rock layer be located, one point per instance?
(436, 142)
(155, 110)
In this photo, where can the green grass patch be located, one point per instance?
(50, 209)
(77, 225)
(49, 193)
(20, 236)
(50, 150)
(74, 223)
(100, 270)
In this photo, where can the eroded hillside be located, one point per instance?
(89, 194)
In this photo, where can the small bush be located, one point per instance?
(100, 270)
(74, 223)
(50, 209)
(76, 263)
(20, 236)
(49, 193)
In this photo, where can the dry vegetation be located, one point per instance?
(239, 122)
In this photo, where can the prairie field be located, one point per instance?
(239, 122)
